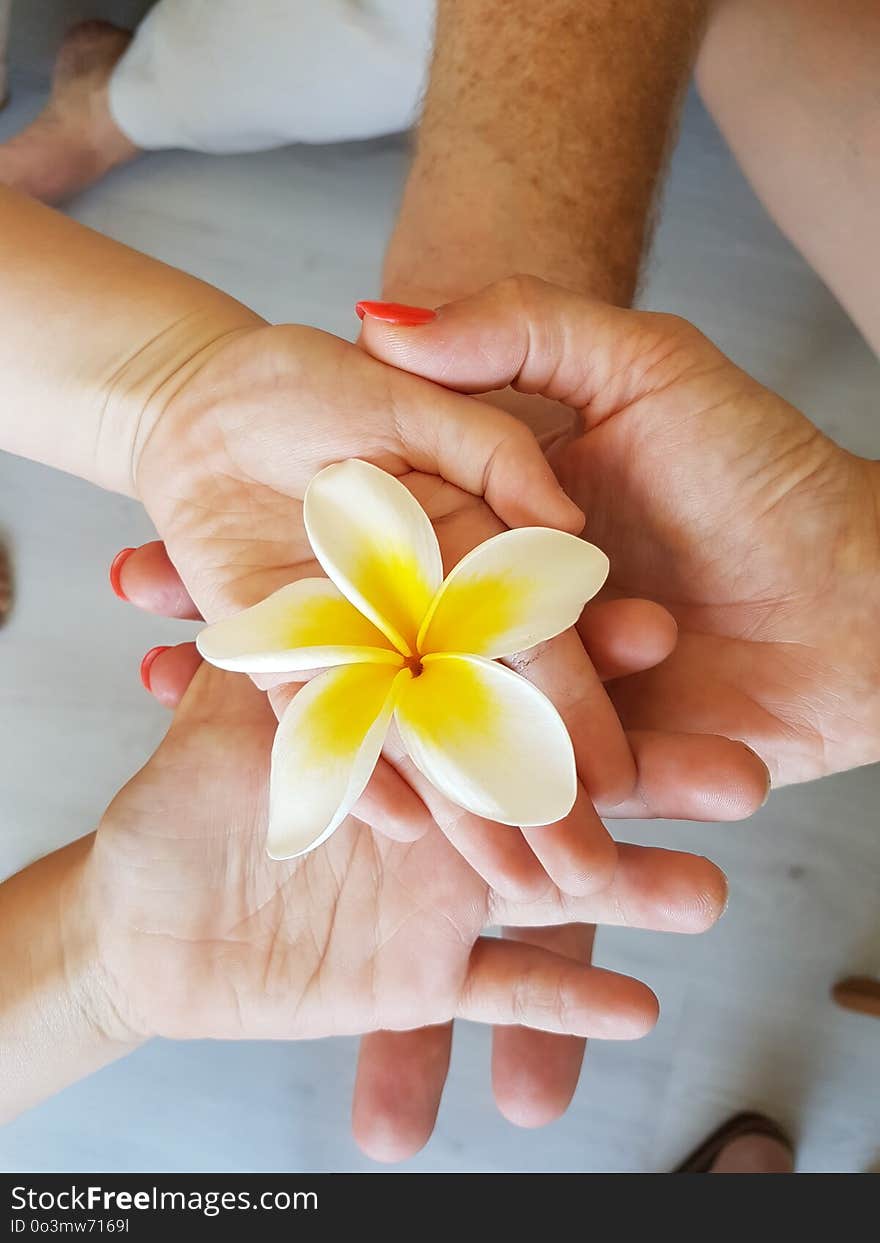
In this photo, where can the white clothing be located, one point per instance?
(243, 75)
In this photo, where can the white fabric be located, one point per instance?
(222, 76)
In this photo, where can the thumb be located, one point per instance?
(491, 453)
(479, 449)
(540, 339)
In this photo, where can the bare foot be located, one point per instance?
(753, 1154)
(74, 141)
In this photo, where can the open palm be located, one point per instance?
(712, 496)
(719, 500)
(207, 937)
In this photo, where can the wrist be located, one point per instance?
(147, 385)
(59, 1018)
(95, 988)
(84, 356)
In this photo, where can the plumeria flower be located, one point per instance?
(397, 640)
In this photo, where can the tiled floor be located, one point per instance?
(746, 1018)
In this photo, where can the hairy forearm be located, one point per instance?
(57, 1018)
(545, 131)
(90, 332)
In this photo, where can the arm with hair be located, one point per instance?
(545, 132)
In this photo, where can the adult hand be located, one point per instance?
(712, 496)
(200, 934)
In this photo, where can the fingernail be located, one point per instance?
(147, 663)
(769, 777)
(116, 570)
(769, 786)
(396, 313)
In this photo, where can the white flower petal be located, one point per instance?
(375, 541)
(327, 745)
(306, 625)
(513, 591)
(488, 739)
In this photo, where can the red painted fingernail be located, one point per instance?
(148, 662)
(396, 313)
(116, 569)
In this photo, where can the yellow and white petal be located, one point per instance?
(488, 740)
(306, 625)
(375, 541)
(514, 591)
(327, 745)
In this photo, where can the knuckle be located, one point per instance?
(521, 290)
(540, 1000)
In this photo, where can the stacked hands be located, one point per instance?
(732, 643)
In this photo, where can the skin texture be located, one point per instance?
(56, 1015)
(713, 496)
(544, 131)
(173, 921)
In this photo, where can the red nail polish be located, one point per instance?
(148, 662)
(116, 569)
(396, 313)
